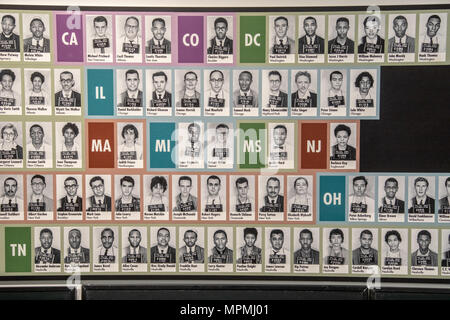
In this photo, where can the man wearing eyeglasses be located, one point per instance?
(39, 202)
(131, 41)
(189, 97)
(216, 96)
(158, 44)
(99, 201)
(67, 97)
(220, 44)
(277, 98)
(71, 202)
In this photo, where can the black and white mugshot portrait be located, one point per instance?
(311, 43)
(333, 100)
(391, 198)
(220, 39)
(361, 203)
(394, 254)
(67, 83)
(191, 146)
(128, 38)
(134, 249)
(275, 97)
(76, 249)
(217, 92)
(445, 252)
(242, 198)
(402, 37)
(220, 145)
(300, 201)
(220, 249)
(424, 251)
(306, 246)
(214, 197)
(184, 197)
(40, 197)
(11, 91)
(271, 198)
(39, 141)
(158, 35)
(335, 244)
(191, 250)
(343, 145)
(246, 93)
(281, 145)
(281, 39)
(98, 197)
(11, 150)
(363, 97)
(421, 198)
(38, 83)
(10, 37)
(106, 252)
(128, 197)
(36, 37)
(304, 85)
(249, 252)
(163, 249)
(11, 197)
(371, 43)
(47, 251)
(365, 249)
(341, 38)
(129, 137)
(159, 92)
(156, 197)
(130, 97)
(277, 250)
(69, 191)
(444, 196)
(99, 45)
(187, 87)
(432, 36)
(68, 144)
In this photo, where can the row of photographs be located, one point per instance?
(137, 38)
(194, 145)
(338, 92)
(268, 249)
(217, 197)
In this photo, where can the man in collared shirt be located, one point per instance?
(220, 44)
(9, 201)
(244, 203)
(131, 40)
(39, 202)
(132, 97)
(193, 147)
(99, 201)
(306, 254)
(444, 202)
(189, 97)
(245, 96)
(107, 251)
(191, 252)
(280, 150)
(67, 97)
(401, 42)
(424, 256)
(101, 39)
(161, 98)
(390, 203)
(134, 252)
(9, 41)
(215, 94)
(421, 203)
(158, 44)
(220, 149)
(430, 42)
(310, 43)
(365, 254)
(76, 253)
(8, 96)
(277, 98)
(37, 149)
(45, 253)
(213, 199)
(371, 42)
(278, 253)
(360, 201)
(249, 253)
(185, 200)
(71, 202)
(303, 97)
(341, 44)
(336, 97)
(273, 201)
(163, 252)
(220, 253)
(127, 201)
(282, 44)
(37, 42)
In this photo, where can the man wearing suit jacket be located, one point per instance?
(76, 253)
(191, 252)
(39, 202)
(273, 201)
(46, 254)
(9, 41)
(158, 44)
(37, 42)
(390, 204)
(71, 201)
(220, 44)
(277, 98)
(135, 253)
(310, 43)
(444, 203)
(67, 97)
(245, 96)
(401, 42)
(303, 97)
(162, 252)
(132, 97)
(424, 256)
(421, 203)
(342, 44)
(161, 98)
(281, 43)
(99, 201)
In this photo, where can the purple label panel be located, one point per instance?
(69, 37)
(190, 39)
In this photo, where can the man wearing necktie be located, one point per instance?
(37, 42)
(162, 252)
(71, 202)
(67, 97)
(132, 96)
(191, 252)
(216, 97)
(245, 96)
(107, 251)
(430, 42)
(220, 253)
(310, 43)
(135, 252)
(372, 42)
(45, 253)
(99, 201)
(131, 41)
(390, 203)
(75, 252)
(158, 44)
(39, 202)
(220, 44)
(282, 44)
(161, 98)
(273, 201)
(278, 254)
(401, 42)
(421, 202)
(9, 201)
(213, 200)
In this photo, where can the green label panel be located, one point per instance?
(252, 145)
(252, 33)
(17, 249)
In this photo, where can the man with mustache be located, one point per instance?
(37, 42)
(9, 201)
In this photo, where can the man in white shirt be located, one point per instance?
(245, 96)
(421, 203)
(67, 97)
(213, 200)
(189, 97)
(38, 200)
(37, 42)
(37, 149)
(9, 201)
(280, 149)
(401, 42)
(336, 97)
(220, 149)
(303, 97)
(132, 97)
(431, 41)
(278, 254)
(390, 203)
(107, 252)
(282, 44)
(76, 253)
(71, 201)
(131, 41)
(310, 43)
(243, 203)
(158, 44)
(101, 39)
(360, 202)
(134, 252)
(216, 96)
(163, 252)
(45, 253)
(191, 252)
